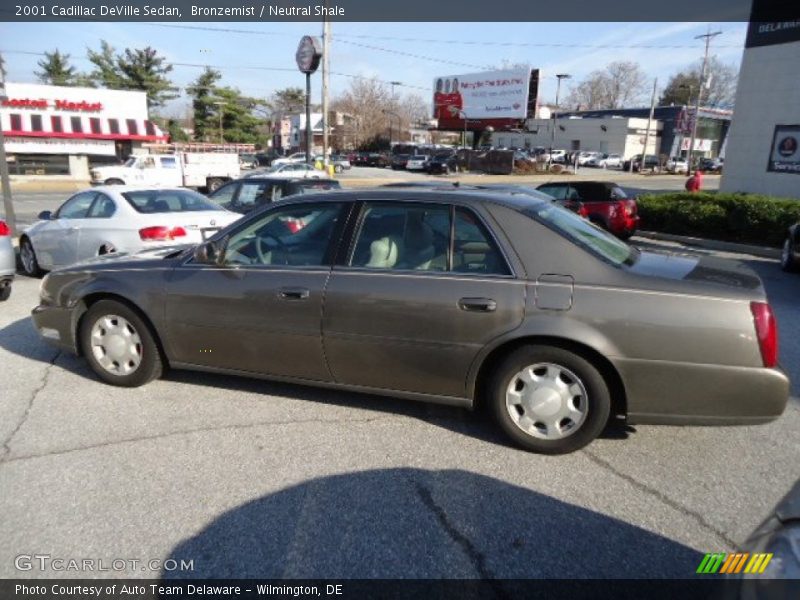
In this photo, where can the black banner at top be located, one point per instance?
(773, 22)
(386, 11)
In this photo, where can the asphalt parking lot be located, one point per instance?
(253, 479)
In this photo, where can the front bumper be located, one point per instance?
(56, 326)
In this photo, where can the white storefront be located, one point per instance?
(52, 130)
(763, 153)
(612, 135)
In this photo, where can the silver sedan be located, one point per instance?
(7, 261)
(109, 219)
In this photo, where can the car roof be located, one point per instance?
(514, 200)
(119, 189)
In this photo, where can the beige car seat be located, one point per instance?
(384, 252)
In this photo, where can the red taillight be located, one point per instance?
(4, 229)
(766, 332)
(161, 233)
(583, 212)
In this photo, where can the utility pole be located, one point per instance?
(326, 67)
(560, 76)
(649, 123)
(708, 37)
(399, 132)
(8, 204)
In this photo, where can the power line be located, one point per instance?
(448, 42)
(246, 67)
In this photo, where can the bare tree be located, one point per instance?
(619, 85)
(376, 111)
(721, 82)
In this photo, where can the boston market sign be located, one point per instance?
(43, 103)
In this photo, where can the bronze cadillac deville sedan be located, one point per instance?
(441, 295)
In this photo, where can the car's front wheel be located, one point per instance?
(119, 346)
(788, 262)
(549, 400)
(27, 257)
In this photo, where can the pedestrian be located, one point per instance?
(695, 182)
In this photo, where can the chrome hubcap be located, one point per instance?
(547, 401)
(116, 345)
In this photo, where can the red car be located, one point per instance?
(607, 204)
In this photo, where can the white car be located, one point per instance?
(676, 164)
(297, 170)
(110, 219)
(585, 157)
(606, 161)
(297, 157)
(416, 162)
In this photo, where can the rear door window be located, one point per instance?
(425, 237)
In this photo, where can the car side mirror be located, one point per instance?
(45, 215)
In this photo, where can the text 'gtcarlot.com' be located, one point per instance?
(47, 562)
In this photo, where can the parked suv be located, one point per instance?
(607, 204)
(650, 162)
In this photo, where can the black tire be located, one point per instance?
(596, 403)
(150, 366)
(213, 184)
(5, 292)
(114, 181)
(788, 262)
(30, 265)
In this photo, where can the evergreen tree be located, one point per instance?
(56, 70)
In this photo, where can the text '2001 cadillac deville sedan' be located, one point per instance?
(448, 296)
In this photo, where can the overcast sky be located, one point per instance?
(258, 58)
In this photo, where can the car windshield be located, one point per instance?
(168, 201)
(130, 162)
(583, 233)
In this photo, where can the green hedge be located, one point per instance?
(744, 218)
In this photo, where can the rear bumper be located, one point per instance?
(665, 392)
(56, 326)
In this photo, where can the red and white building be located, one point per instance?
(53, 130)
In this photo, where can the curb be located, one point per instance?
(761, 251)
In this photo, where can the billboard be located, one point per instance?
(498, 98)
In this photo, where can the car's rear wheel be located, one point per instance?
(549, 400)
(788, 262)
(27, 258)
(5, 291)
(337, 168)
(114, 181)
(118, 345)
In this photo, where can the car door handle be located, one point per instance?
(477, 304)
(293, 293)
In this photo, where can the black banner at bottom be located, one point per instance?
(397, 589)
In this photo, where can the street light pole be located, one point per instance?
(560, 76)
(463, 115)
(393, 83)
(10, 215)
